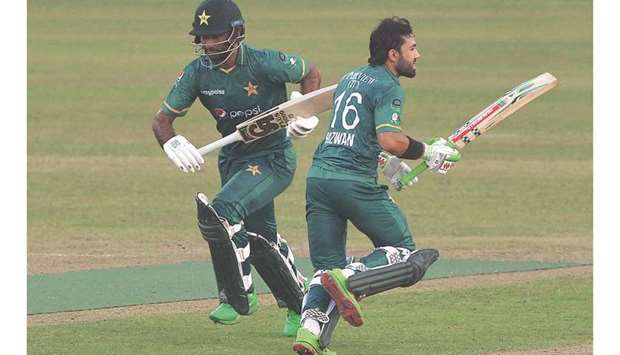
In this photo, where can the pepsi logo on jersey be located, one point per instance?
(220, 113)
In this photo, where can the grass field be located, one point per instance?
(473, 320)
(102, 193)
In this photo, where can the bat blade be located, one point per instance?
(277, 118)
(492, 115)
(503, 107)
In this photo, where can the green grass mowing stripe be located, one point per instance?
(126, 286)
(480, 319)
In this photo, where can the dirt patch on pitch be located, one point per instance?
(75, 255)
(206, 305)
(564, 350)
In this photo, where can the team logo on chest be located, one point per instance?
(251, 89)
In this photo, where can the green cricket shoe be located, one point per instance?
(226, 314)
(307, 343)
(291, 324)
(293, 319)
(335, 283)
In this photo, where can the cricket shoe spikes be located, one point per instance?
(307, 343)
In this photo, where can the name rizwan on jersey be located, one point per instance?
(340, 138)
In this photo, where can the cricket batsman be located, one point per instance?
(235, 82)
(342, 186)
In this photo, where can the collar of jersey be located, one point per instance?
(391, 74)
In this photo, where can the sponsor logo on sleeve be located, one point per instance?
(396, 104)
(395, 117)
(179, 77)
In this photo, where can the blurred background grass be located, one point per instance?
(98, 71)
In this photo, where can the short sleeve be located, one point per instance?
(183, 93)
(281, 67)
(388, 110)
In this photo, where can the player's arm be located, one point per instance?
(163, 127)
(397, 145)
(289, 68)
(178, 149)
(303, 126)
(438, 153)
(312, 81)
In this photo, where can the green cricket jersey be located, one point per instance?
(256, 84)
(367, 101)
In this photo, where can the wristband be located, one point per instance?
(415, 150)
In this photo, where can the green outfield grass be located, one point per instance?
(98, 71)
(97, 74)
(534, 314)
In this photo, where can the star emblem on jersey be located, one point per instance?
(204, 17)
(251, 89)
(253, 169)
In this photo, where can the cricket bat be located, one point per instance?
(276, 118)
(491, 116)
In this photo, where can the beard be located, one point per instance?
(405, 69)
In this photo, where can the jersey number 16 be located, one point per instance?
(348, 107)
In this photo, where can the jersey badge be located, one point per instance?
(179, 77)
(396, 103)
(204, 17)
(251, 89)
(253, 169)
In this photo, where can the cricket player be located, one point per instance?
(235, 82)
(342, 186)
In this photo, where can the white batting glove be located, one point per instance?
(183, 154)
(440, 155)
(301, 127)
(393, 168)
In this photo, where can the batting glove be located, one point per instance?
(440, 155)
(183, 154)
(301, 127)
(393, 168)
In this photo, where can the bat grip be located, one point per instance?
(407, 178)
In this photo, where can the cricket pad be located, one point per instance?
(274, 269)
(228, 274)
(402, 274)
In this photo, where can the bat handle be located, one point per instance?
(231, 138)
(407, 178)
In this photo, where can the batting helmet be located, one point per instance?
(214, 17)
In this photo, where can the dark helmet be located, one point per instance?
(214, 17)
